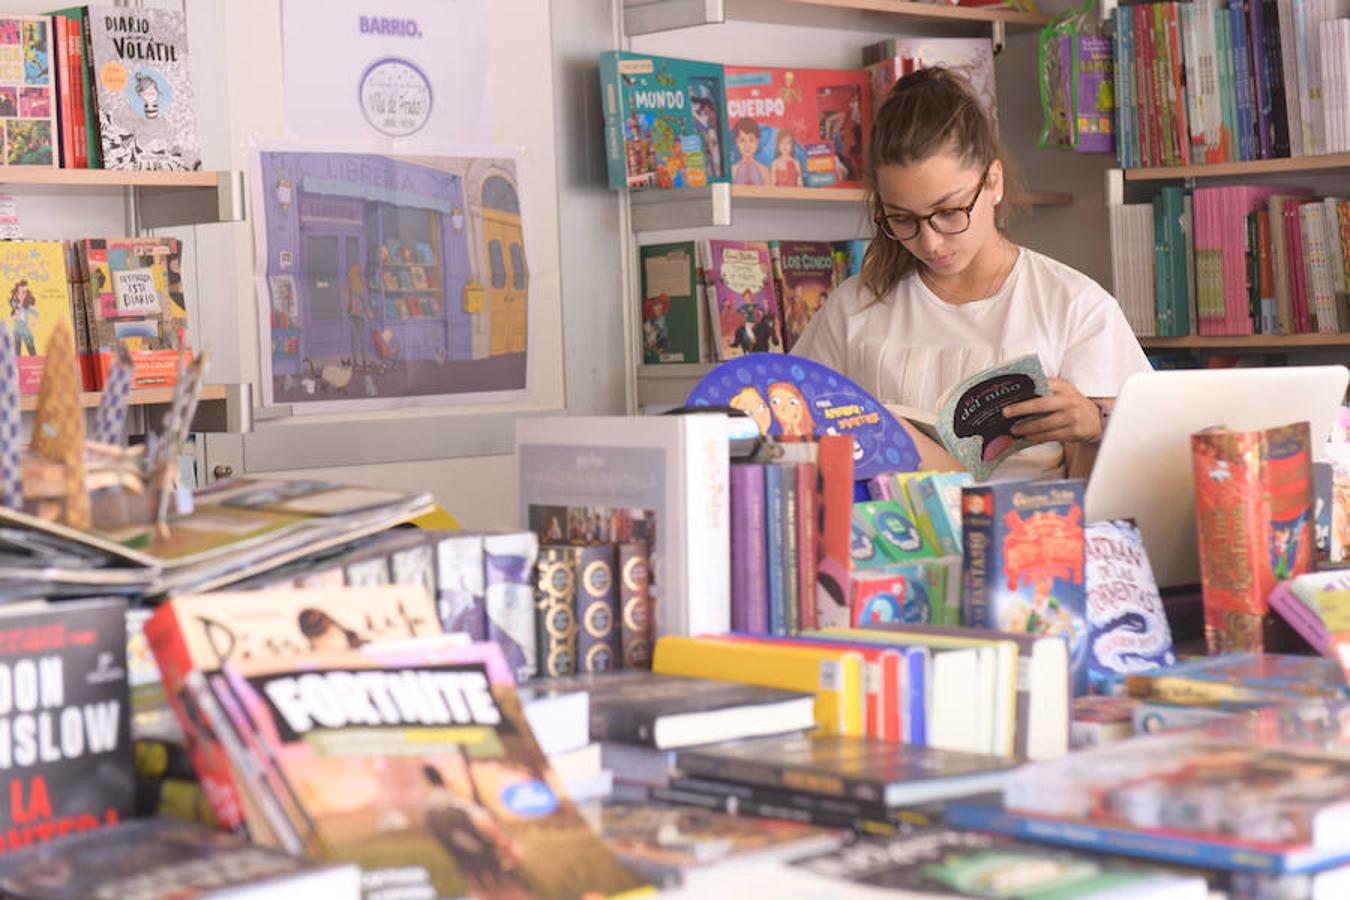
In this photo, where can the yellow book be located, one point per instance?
(1001, 688)
(834, 676)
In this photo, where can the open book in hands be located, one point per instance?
(969, 421)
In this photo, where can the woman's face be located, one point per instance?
(943, 181)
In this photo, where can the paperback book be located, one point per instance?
(970, 422)
(742, 303)
(145, 101)
(672, 301)
(805, 274)
(28, 91)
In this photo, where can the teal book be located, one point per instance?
(665, 121)
(884, 532)
(671, 302)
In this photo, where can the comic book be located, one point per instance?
(145, 106)
(798, 127)
(34, 279)
(28, 96)
(804, 272)
(664, 125)
(742, 306)
(132, 290)
(422, 769)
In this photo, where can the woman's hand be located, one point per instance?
(1065, 416)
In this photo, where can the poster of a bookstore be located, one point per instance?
(391, 277)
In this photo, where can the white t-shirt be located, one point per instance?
(911, 346)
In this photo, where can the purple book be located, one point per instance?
(749, 574)
(1256, 44)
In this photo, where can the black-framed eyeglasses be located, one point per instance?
(954, 220)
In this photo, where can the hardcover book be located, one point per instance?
(804, 272)
(28, 91)
(1127, 624)
(884, 532)
(1241, 678)
(510, 561)
(861, 768)
(1023, 568)
(134, 298)
(798, 127)
(597, 609)
(635, 605)
(461, 598)
(672, 301)
(163, 858)
(1254, 514)
(664, 124)
(555, 608)
(446, 790)
(668, 712)
(65, 736)
(145, 104)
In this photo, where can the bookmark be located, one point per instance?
(11, 429)
(58, 425)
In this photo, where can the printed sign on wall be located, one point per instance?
(413, 72)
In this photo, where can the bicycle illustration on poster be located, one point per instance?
(387, 278)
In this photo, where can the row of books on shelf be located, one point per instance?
(672, 123)
(1232, 260)
(711, 300)
(1218, 82)
(98, 87)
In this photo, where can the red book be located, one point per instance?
(1253, 507)
(808, 536)
(73, 71)
(65, 115)
(835, 514)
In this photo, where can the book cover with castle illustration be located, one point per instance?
(139, 59)
(664, 121)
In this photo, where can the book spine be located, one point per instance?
(555, 621)
(801, 801)
(791, 552)
(750, 592)
(79, 90)
(706, 566)
(807, 522)
(165, 636)
(597, 619)
(1087, 836)
(635, 606)
(92, 109)
(611, 104)
(977, 535)
(460, 603)
(776, 547)
(1274, 63)
(509, 588)
(1260, 67)
(780, 777)
(65, 105)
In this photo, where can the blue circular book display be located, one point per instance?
(789, 396)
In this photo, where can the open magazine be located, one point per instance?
(234, 529)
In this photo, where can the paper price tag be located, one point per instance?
(830, 676)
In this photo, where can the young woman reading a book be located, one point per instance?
(944, 294)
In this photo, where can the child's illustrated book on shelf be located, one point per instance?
(798, 127)
(664, 123)
(36, 283)
(145, 102)
(28, 91)
(742, 303)
(805, 274)
(672, 303)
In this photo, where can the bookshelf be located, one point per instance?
(1246, 341)
(649, 16)
(1327, 163)
(222, 408)
(157, 199)
(713, 205)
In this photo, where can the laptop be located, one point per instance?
(1143, 468)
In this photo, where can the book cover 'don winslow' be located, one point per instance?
(145, 104)
(446, 789)
(65, 737)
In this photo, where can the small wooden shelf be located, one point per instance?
(1251, 167)
(107, 177)
(1246, 341)
(855, 195)
(141, 397)
(938, 11)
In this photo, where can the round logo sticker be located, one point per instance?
(395, 96)
(530, 799)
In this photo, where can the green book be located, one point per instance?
(670, 303)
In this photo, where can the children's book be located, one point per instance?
(672, 303)
(804, 272)
(793, 398)
(37, 285)
(1241, 678)
(1127, 624)
(798, 127)
(742, 305)
(28, 91)
(145, 103)
(664, 124)
(1024, 562)
(420, 767)
(133, 289)
(166, 857)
